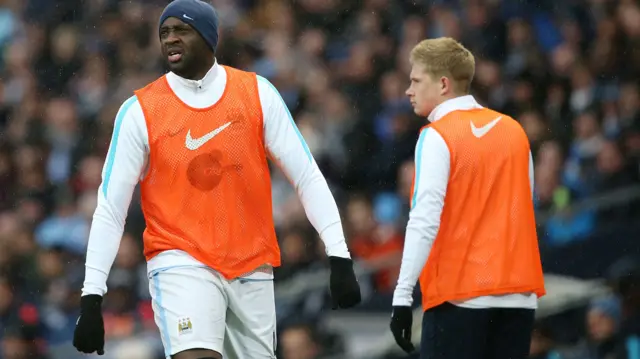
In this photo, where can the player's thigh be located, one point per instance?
(251, 320)
(452, 332)
(197, 354)
(510, 333)
(189, 308)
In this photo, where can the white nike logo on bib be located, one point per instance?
(194, 144)
(481, 131)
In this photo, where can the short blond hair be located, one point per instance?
(445, 56)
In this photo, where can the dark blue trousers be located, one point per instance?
(452, 332)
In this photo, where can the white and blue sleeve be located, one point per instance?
(123, 168)
(289, 150)
(531, 174)
(432, 165)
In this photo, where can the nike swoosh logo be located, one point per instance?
(481, 131)
(187, 17)
(195, 143)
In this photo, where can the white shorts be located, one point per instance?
(197, 308)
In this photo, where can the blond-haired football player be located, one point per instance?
(471, 238)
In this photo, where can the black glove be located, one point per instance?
(343, 285)
(401, 322)
(89, 334)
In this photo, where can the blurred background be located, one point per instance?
(568, 70)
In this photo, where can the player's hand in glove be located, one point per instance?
(89, 333)
(343, 285)
(401, 322)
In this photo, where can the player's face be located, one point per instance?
(424, 92)
(182, 48)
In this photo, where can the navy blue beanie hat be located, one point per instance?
(199, 15)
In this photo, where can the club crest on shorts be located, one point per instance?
(184, 326)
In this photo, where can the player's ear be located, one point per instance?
(445, 85)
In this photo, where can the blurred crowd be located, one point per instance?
(567, 70)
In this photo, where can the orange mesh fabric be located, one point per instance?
(487, 242)
(208, 190)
